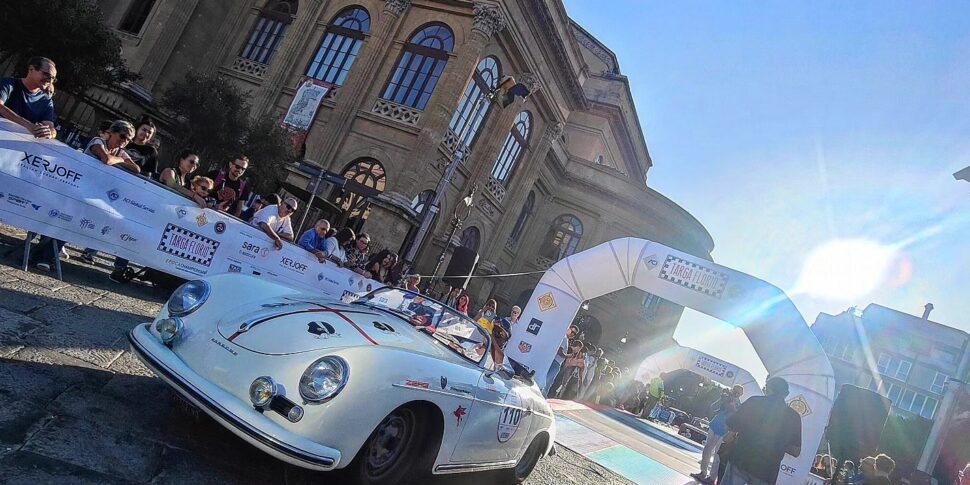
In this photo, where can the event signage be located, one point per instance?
(305, 104)
(48, 188)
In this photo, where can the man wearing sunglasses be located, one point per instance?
(27, 101)
(274, 220)
(230, 187)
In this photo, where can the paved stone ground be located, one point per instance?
(79, 408)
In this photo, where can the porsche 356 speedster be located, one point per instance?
(388, 388)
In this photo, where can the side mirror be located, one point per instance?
(522, 371)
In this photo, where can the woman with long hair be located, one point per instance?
(335, 247)
(379, 265)
(177, 177)
(142, 150)
(463, 303)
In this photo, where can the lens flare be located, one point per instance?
(845, 269)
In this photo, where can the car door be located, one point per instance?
(497, 422)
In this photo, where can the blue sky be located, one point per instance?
(784, 125)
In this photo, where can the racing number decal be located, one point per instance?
(509, 418)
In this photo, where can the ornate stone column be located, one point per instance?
(286, 56)
(487, 22)
(526, 176)
(360, 78)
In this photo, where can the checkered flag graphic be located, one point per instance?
(167, 244)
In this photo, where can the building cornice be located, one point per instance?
(561, 65)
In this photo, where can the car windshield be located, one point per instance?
(445, 324)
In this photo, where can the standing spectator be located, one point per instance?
(313, 239)
(515, 314)
(247, 215)
(488, 311)
(274, 220)
(231, 189)
(27, 101)
(357, 255)
(766, 430)
(884, 468)
(335, 246)
(723, 408)
(574, 370)
(176, 178)
(463, 303)
(451, 296)
(655, 395)
(141, 151)
(412, 282)
(556, 366)
(379, 265)
(592, 356)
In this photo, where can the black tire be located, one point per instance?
(395, 452)
(528, 462)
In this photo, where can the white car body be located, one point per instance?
(247, 328)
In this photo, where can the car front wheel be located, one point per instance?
(528, 461)
(393, 452)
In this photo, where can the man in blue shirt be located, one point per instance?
(312, 240)
(27, 101)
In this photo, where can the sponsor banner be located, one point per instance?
(48, 188)
(305, 103)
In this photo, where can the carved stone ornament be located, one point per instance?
(530, 81)
(554, 131)
(397, 6)
(488, 20)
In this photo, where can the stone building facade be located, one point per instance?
(561, 171)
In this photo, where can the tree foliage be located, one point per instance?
(72, 33)
(212, 117)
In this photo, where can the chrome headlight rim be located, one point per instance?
(274, 390)
(176, 295)
(334, 360)
(169, 338)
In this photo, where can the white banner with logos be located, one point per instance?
(776, 329)
(48, 188)
(705, 365)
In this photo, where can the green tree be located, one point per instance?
(72, 33)
(212, 117)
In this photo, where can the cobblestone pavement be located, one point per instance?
(79, 408)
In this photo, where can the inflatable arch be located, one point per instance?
(703, 364)
(777, 331)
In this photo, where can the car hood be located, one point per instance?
(292, 325)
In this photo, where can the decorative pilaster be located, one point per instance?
(164, 43)
(274, 78)
(526, 178)
(360, 78)
(487, 21)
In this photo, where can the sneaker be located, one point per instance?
(118, 276)
(44, 266)
(700, 478)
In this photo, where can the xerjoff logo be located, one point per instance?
(113, 195)
(294, 265)
(87, 224)
(47, 168)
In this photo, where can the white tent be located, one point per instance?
(776, 329)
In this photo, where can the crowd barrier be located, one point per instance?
(49, 188)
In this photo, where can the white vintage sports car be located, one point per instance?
(388, 388)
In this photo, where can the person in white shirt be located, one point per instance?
(335, 247)
(274, 220)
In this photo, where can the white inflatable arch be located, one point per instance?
(705, 365)
(776, 329)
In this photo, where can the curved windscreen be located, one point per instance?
(445, 324)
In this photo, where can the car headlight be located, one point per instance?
(188, 298)
(261, 391)
(324, 379)
(168, 329)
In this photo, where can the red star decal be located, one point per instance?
(459, 413)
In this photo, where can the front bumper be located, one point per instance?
(237, 416)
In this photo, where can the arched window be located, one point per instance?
(515, 144)
(524, 215)
(420, 66)
(269, 30)
(470, 238)
(421, 202)
(563, 237)
(473, 105)
(367, 172)
(340, 46)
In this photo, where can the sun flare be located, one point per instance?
(845, 269)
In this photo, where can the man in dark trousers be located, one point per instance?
(765, 428)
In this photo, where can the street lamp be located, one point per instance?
(462, 210)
